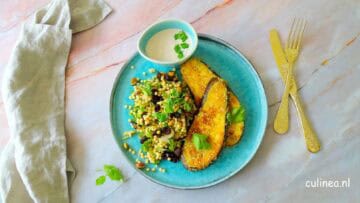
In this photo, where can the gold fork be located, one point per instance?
(281, 123)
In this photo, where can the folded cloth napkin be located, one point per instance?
(33, 165)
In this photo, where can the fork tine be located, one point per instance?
(289, 39)
(301, 32)
(293, 39)
(296, 33)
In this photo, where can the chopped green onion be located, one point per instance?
(177, 36)
(184, 37)
(180, 55)
(177, 48)
(184, 45)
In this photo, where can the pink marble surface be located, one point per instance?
(331, 95)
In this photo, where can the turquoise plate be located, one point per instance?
(242, 79)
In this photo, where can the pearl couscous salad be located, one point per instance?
(163, 110)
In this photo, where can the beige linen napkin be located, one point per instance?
(33, 165)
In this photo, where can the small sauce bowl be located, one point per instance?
(164, 25)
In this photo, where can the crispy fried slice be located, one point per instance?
(197, 75)
(235, 130)
(210, 121)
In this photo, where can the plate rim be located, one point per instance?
(220, 41)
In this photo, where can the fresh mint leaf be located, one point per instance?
(228, 118)
(146, 89)
(162, 117)
(100, 180)
(187, 107)
(237, 115)
(168, 109)
(175, 93)
(113, 172)
(169, 106)
(146, 145)
(200, 141)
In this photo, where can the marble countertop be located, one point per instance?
(328, 74)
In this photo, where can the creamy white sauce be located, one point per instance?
(161, 46)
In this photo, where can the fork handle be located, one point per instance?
(311, 139)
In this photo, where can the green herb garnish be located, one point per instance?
(177, 36)
(138, 111)
(179, 47)
(172, 145)
(146, 89)
(228, 118)
(236, 115)
(180, 55)
(200, 141)
(169, 106)
(146, 145)
(181, 35)
(148, 133)
(162, 117)
(187, 107)
(112, 172)
(184, 45)
(184, 38)
(175, 93)
(100, 180)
